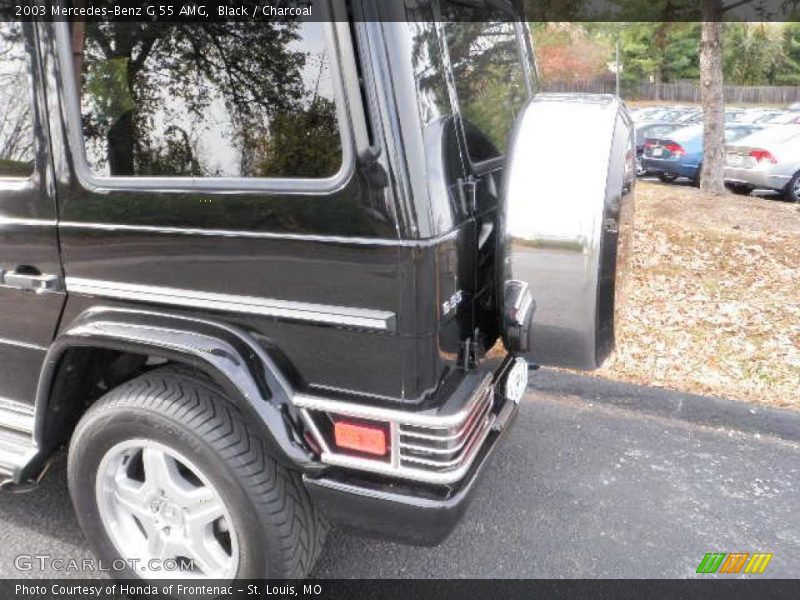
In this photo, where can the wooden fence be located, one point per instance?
(682, 91)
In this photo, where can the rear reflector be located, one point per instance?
(369, 439)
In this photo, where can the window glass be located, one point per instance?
(733, 134)
(489, 77)
(226, 99)
(429, 69)
(777, 134)
(16, 124)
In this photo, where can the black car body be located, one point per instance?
(340, 260)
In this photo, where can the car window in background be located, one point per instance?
(217, 99)
(655, 114)
(661, 130)
(653, 131)
(773, 135)
(733, 134)
(784, 118)
(766, 118)
(486, 59)
(16, 119)
(687, 133)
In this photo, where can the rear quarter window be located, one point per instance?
(211, 100)
(490, 80)
(16, 118)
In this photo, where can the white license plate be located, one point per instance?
(657, 152)
(734, 160)
(517, 380)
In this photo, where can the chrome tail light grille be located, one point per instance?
(445, 448)
(429, 447)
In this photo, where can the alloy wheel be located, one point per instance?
(163, 514)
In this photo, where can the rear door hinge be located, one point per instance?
(467, 194)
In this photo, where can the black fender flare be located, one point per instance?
(247, 372)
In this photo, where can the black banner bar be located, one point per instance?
(396, 589)
(201, 11)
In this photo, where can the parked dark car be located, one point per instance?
(650, 130)
(680, 154)
(262, 278)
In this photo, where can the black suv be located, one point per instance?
(265, 276)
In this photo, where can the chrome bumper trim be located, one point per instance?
(442, 454)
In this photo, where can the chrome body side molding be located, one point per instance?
(343, 316)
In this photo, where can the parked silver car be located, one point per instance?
(768, 159)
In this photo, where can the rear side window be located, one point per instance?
(16, 119)
(778, 134)
(687, 133)
(653, 131)
(224, 99)
(734, 133)
(489, 77)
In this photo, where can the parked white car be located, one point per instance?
(768, 159)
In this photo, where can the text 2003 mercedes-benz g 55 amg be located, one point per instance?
(263, 276)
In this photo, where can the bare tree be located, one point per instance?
(712, 93)
(712, 98)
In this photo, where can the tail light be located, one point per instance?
(674, 149)
(763, 155)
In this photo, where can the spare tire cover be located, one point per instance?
(564, 228)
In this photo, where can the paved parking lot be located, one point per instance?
(584, 486)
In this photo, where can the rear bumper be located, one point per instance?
(670, 166)
(403, 511)
(756, 178)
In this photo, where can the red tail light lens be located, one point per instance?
(763, 155)
(675, 149)
(361, 437)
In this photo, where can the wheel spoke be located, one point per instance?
(203, 511)
(161, 545)
(209, 557)
(161, 471)
(129, 495)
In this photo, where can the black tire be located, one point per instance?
(792, 190)
(667, 177)
(697, 175)
(739, 188)
(280, 533)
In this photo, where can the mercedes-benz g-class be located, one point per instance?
(263, 276)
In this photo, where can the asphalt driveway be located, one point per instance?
(595, 480)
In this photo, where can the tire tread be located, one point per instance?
(186, 396)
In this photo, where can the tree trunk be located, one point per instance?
(713, 99)
(121, 136)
